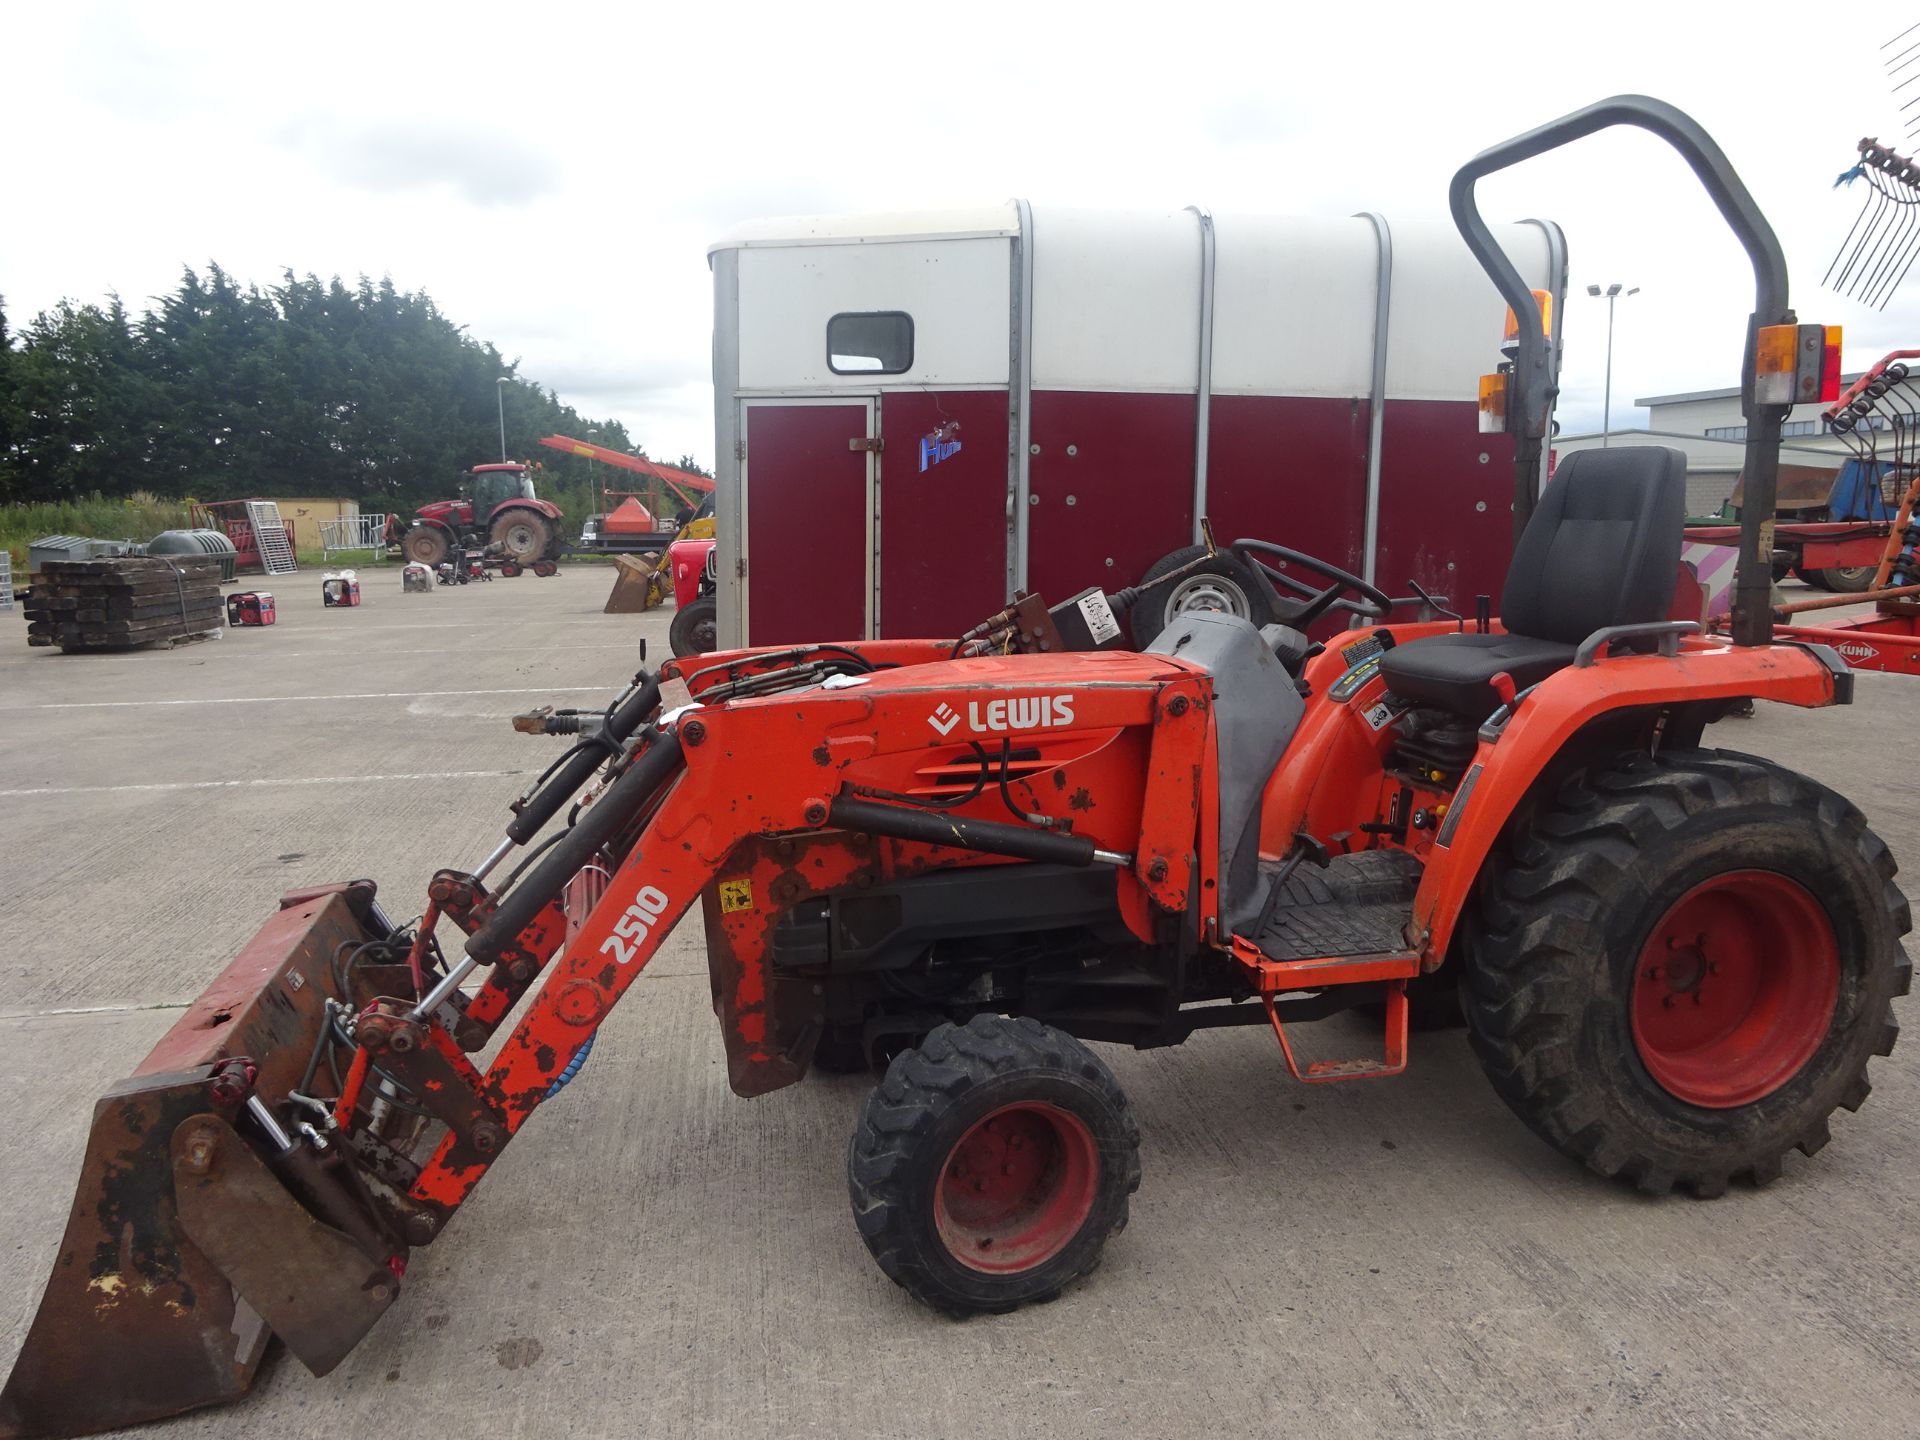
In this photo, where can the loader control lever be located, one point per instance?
(559, 785)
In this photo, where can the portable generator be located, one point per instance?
(250, 607)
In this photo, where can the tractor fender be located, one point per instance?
(1514, 757)
(546, 509)
(689, 559)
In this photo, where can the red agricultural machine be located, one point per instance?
(630, 528)
(1879, 418)
(963, 858)
(261, 539)
(496, 510)
(694, 562)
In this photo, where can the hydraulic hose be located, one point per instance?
(989, 836)
(597, 824)
(588, 756)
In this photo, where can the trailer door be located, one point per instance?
(807, 485)
(943, 511)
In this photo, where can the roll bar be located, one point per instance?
(1530, 397)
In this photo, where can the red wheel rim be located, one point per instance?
(1735, 989)
(1016, 1188)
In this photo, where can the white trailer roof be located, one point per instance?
(957, 223)
(1118, 300)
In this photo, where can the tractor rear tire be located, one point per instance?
(1222, 583)
(522, 535)
(695, 628)
(1682, 964)
(425, 544)
(990, 1165)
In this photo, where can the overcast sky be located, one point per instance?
(553, 174)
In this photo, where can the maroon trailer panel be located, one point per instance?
(806, 520)
(1121, 499)
(943, 510)
(1292, 470)
(1446, 503)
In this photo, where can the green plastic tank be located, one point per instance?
(197, 545)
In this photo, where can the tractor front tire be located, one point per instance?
(1681, 966)
(695, 629)
(522, 536)
(990, 1165)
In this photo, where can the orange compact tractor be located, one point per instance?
(963, 858)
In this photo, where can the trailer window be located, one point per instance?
(875, 342)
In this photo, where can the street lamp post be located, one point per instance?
(500, 403)
(1612, 293)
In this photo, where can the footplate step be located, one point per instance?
(1321, 1072)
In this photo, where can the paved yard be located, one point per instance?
(656, 1257)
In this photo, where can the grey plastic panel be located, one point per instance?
(1256, 710)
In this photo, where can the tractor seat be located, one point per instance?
(1602, 548)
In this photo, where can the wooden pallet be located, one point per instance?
(125, 603)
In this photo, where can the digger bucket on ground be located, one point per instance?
(196, 1231)
(637, 586)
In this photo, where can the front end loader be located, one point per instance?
(960, 860)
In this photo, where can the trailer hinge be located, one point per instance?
(740, 449)
(740, 568)
(869, 443)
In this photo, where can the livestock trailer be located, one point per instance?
(917, 415)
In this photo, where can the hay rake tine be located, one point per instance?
(1858, 258)
(1888, 220)
(1883, 243)
(1898, 250)
(1827, 279)
(1913, 253)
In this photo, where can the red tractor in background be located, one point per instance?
(694, 563)
(497, 507)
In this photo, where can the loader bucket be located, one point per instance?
(637, 586)
(185, 1250)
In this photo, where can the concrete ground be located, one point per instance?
(656, 1257)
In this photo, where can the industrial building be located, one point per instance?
(1708, 426)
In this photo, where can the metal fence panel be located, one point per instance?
(354, 532)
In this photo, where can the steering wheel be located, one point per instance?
(1370, 604)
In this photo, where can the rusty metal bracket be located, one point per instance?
(423, 1058)
(314, 1287)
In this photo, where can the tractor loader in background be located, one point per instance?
(962, 858)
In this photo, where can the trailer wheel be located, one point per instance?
(1683, 965)
(425, 544)
(1221, 584)
(991, 1164)
(1847, 579)
(696, 627)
